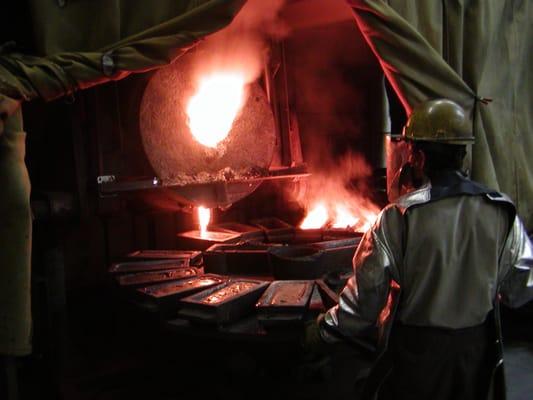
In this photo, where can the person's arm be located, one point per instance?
(7, 107)
(356, 317)
(516, 287)
(26, 77)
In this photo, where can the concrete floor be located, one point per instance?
(131, 380)
(518, 352)
(519, 370)
(129, 359)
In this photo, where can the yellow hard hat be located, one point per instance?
(441, 121)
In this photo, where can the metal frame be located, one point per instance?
(287, 162)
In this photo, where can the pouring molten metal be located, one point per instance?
(204, 217)
(213, 108)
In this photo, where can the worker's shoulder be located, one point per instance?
(419, 196)
(492, 195)
(499, 197)
(426, 194)
(390, 216)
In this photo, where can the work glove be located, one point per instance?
(316, 362)
(7, 107)
(312, 342)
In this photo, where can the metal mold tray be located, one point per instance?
(286, 296)
(202, 240)
(284, 303)
(307, 236)
(241, 259)
(271, 223)
(340, 233)
(297, 236)
(146, 266)
(170, 291)
(246, 232)
(312, 261)
(335, 242)
(309, 254)
(316, 305)
(329, 297)
(143, 278)
(224, 303)
(194, 256)
(275, 229)
(296, 262)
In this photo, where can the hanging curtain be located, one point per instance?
(85, 43)
(467, 51)
(72, 45)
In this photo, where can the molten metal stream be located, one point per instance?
(204, 217)
(214, 107)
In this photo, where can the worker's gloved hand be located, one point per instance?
(7, 107)
(315, 362)
(312, 342)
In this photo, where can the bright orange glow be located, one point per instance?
(367, 225)
(214, 107)
(316, 218)
(339, 215)
(204, 216)
(343, 217)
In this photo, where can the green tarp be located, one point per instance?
(90, 42)
(465, 50)
(74, 45)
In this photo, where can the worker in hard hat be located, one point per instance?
(429, 274)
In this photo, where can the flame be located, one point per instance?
(368, 224)
(214, 107)
(343, 217)
(204, 216)
(338, 215)
(316, 218)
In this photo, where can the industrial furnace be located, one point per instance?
(222, 197)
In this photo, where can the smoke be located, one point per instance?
(333, 86)
(243, 45)
(261, 16)
(340, 182)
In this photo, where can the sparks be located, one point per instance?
(214, 107)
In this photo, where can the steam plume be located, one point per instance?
(242, 45)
